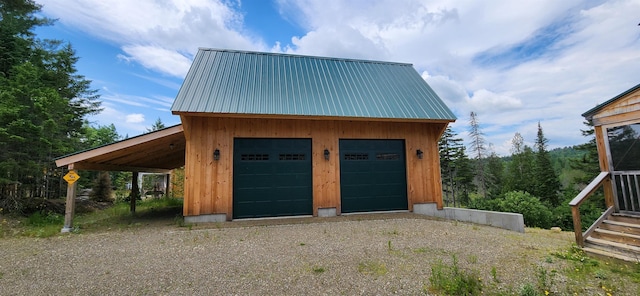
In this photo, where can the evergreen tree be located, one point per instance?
(43, 103)
(495, 175)
(464, 177)
(451, 150)
(519, 175)
(589, 162)
(102, 188)
(158, 125)
(547, 183)
(478, 148)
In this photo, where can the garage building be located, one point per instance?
(272, 135)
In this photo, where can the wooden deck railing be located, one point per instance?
(627, 184)
(601, 179)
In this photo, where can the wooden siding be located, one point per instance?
(209, 184)
(622, 110)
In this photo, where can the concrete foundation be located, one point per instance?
(510, 221)
(327, 212)
(206, 218)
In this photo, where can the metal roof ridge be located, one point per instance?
(304, 56)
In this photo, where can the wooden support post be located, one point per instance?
(167, 183)
(577, 225)
(70, 207)
(135, 192)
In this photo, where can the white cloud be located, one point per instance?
(545, 60)
(484, 101)
(160, 35)
(590, 54)
(134, 118)
(159, 59)
(110, 114)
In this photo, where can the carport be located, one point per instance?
(155, 152)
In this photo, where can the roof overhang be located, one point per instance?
(310, 117)
(589, 114)
(155, 152)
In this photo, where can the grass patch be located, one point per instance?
(451, 280)
(374, 268)
(119, 215)
(49, 224)
(608, 276)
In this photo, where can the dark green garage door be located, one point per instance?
(373, 175)
(272, 177)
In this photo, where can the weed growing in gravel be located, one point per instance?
(318, 269)
(372, 268)
(494, 274)
(473, 259)
(545, 280)
(528, 290)
(451, 280)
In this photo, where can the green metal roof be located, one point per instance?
(241, 82)
(595, 109)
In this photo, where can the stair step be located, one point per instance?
(617, 236)
(614, 247)
(621, 226)
(626, 218)
(599, 252)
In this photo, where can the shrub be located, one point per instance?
(102, 188)
(485, 204)
(534, 212)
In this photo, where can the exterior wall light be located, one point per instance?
(326, 154)
(419, 153)
(216, 154)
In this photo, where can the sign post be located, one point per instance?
(71, 177)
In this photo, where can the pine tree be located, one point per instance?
(547, 183)
(451, 150)
(102, 188)
(478, 148)
(43, 102)
(589, 162)
(495, 175)
(464, 177)
(158, 125)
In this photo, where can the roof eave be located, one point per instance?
(311, 117)
(589, 114)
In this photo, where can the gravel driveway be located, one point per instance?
(348, 255)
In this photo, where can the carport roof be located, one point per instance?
(158, 151)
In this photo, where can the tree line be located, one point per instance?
(527, 182)
(44, 105)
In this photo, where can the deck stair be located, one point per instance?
(617, 236)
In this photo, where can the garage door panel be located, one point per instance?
(272, 177)
(372, 175)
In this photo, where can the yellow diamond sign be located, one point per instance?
(71, 177)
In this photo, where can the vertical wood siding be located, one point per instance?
(209, 184)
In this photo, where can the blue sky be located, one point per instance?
(514, 63)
